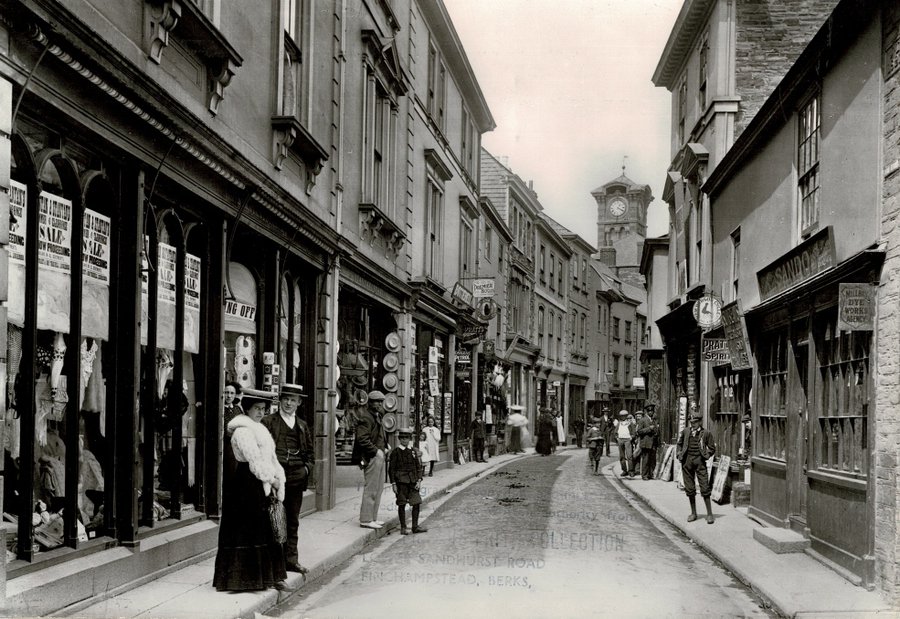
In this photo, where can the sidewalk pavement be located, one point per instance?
(796, 585)
(327, 539)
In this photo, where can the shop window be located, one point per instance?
(808, 165)
(168, 451)
(842, 360)
(241, 324)
(69, 390)
(730, 402)
(772, 398)
(369, 349)
(290, 330)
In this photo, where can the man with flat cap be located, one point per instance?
(647, 431)
(369, 452)
(696, 445)
(296, 454)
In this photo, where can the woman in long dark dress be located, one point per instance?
(516, 422)
(545, 431)
(249, 559)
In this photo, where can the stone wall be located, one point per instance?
(887, 385)
(770, 36)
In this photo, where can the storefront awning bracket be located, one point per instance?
(248, 193)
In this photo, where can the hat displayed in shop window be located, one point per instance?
(392, 341)
(390, 402)
(391, 361)
(390, 382)
(292, 389)
(389, 422)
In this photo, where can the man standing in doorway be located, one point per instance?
(369, 452)
(296, 454)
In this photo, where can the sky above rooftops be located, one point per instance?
(568, 83)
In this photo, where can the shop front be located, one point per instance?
(371, 347)
(813, 391)
(681, 337)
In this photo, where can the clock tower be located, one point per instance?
(622, 224)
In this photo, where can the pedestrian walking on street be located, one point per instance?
(578, 428)
(624, 429)
(649, 442)
(477, 435)
(406, 470)
(606, 426)
(516, 423)
(296, 454)
(433, 442)
(545, 431)
(369, 452)
(595, 441)
(248, 557)
(695, 446)
(560, 429)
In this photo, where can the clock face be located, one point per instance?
(708, 311)
(618, 207)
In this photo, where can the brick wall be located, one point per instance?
(770, 35)
(887, 391)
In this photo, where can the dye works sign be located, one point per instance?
(856, 307)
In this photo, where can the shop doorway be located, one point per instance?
(798, 424)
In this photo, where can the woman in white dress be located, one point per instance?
(432, 445)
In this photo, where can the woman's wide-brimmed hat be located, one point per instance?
(252, 396)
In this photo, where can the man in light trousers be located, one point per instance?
(370, 453)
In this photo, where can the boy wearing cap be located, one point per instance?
(369, 448)
(696, 445)
(624, 428)
(295, 452)
(406, 470)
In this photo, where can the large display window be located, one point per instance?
(167, 470)
(59, 342)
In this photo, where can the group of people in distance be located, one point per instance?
(637, 437)
(550, 432)
(266, 457)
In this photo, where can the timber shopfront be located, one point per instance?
(813, 392)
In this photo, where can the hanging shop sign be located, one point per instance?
(462, 294)
(708, 311)
(488, 348)
(447, 425)
(736, 335)
(483, 288)
(714, 350)
(463, 356)
(856, 307)
(810, 258)
(470, 333)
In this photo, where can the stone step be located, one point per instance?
(780, 541)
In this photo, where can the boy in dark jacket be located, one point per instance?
(406, 470)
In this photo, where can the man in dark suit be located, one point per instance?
(647, 431)
(295, 452)
(369, 452)
(696, 445)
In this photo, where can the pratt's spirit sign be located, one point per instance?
(856, 307)
(810, 258)
(715, 350)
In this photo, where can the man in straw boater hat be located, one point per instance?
(696, 445)
(406, 470)
(295, 452)
(369, 451)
